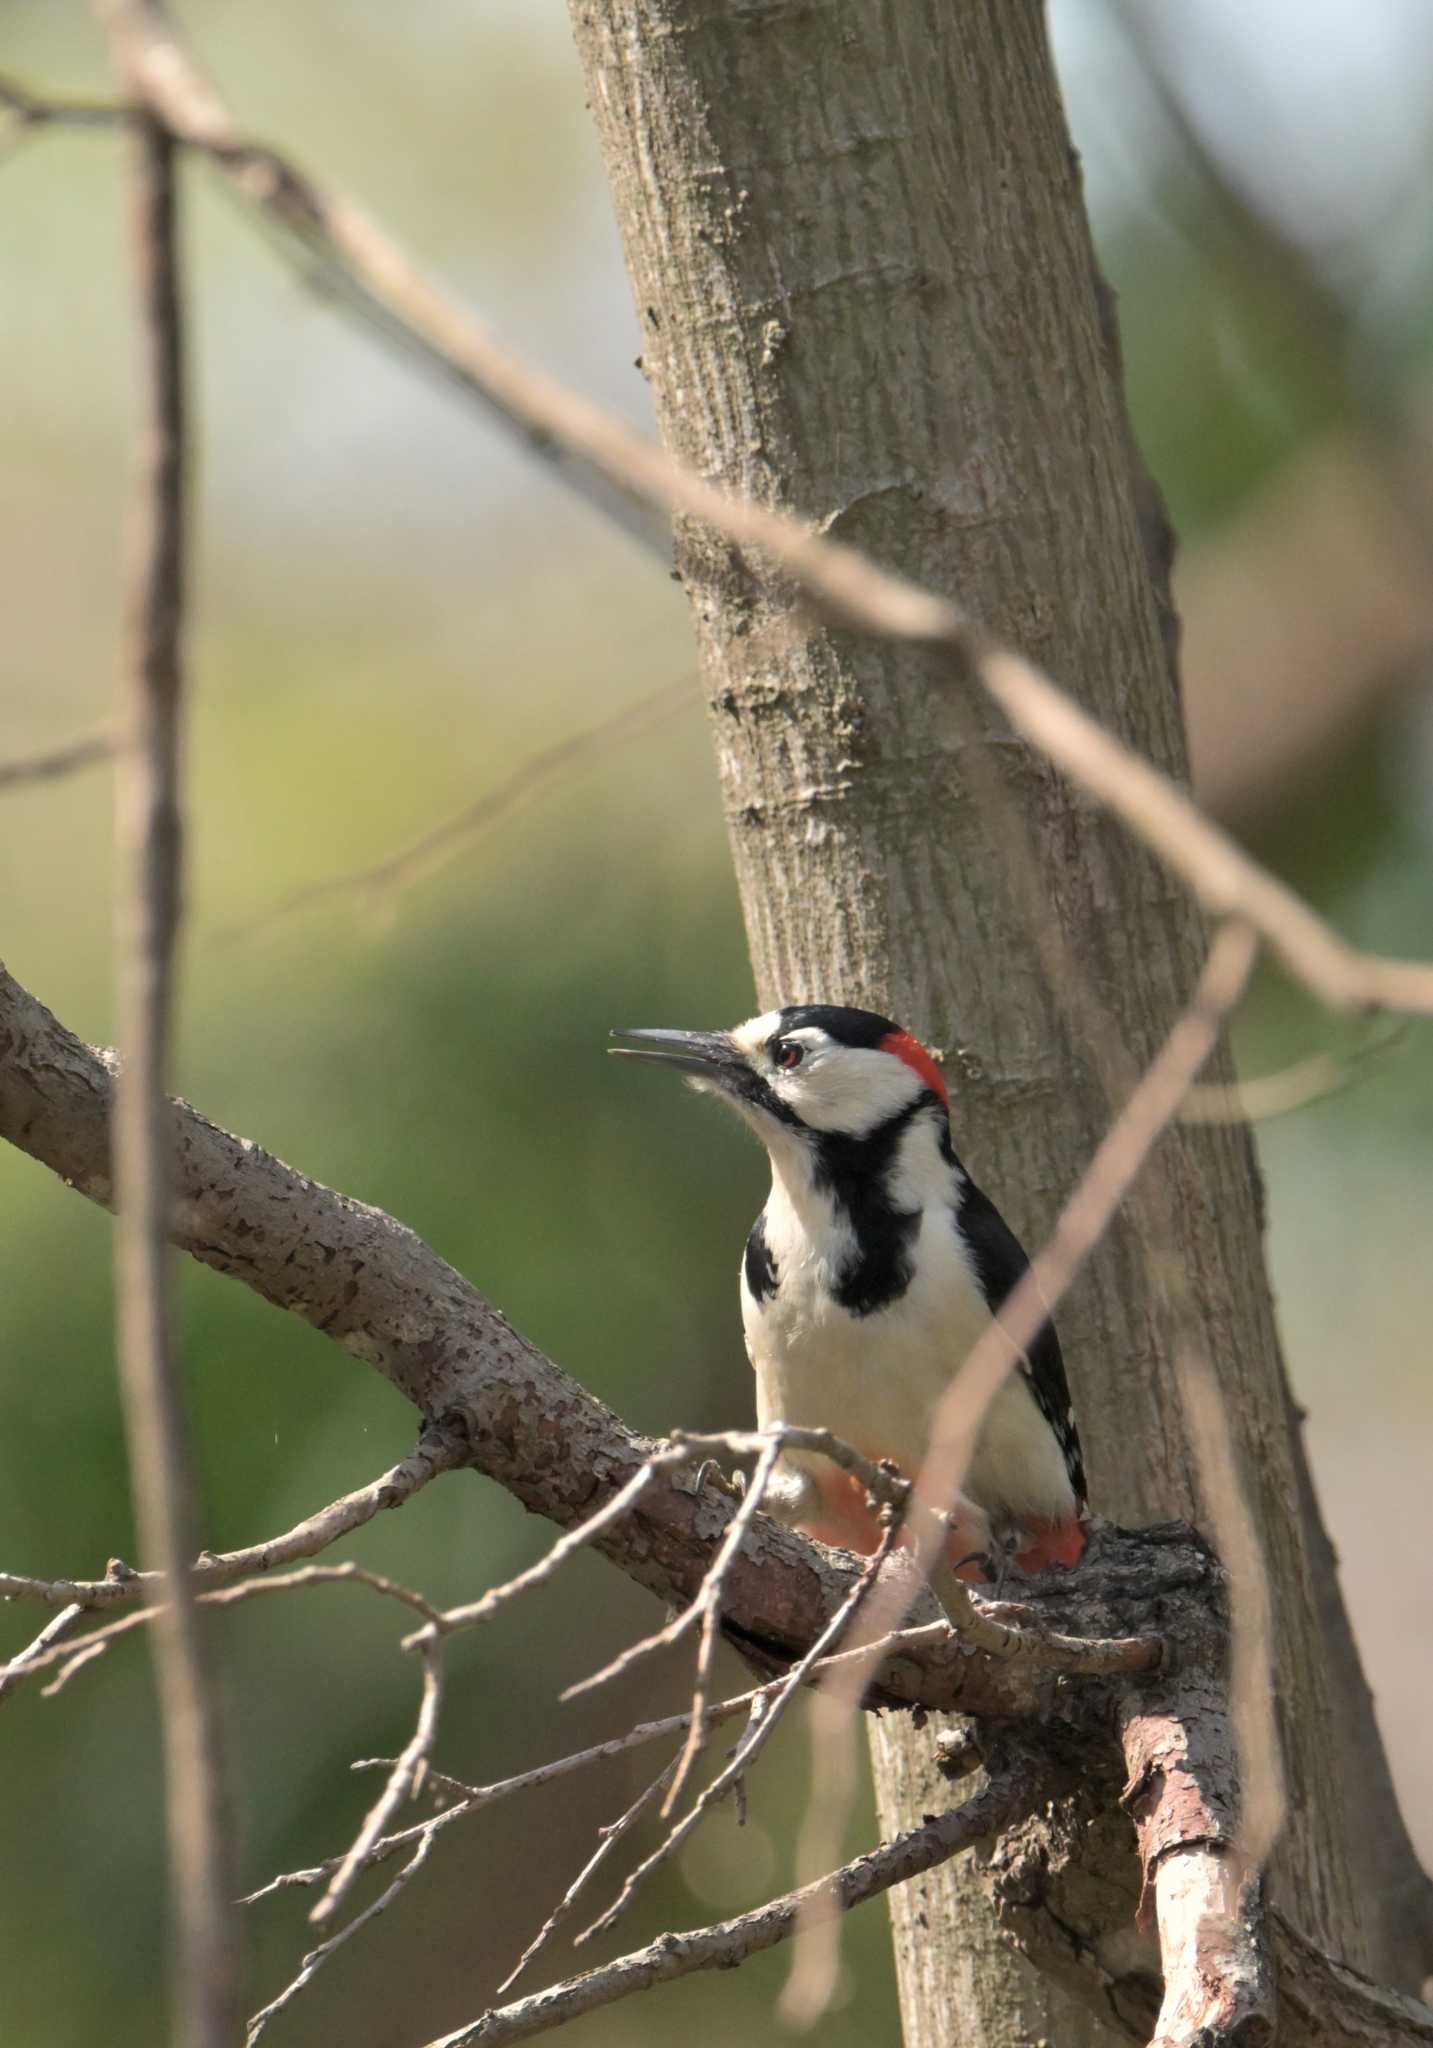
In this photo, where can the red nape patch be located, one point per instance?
(917, 1059)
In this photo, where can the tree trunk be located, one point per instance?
(867, 294)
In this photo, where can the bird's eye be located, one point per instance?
(787, 1053)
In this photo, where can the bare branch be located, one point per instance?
(474, 1798)
(608, 1838)
(357, 261)
(1014, 1633)
(1266, 1096)
(314, 1961)
(71, 1657)
(707, 1605)
(731, 1942)
(1218, 1981)
(56, 761)
(1184, 1794)
(538, 1574)
(26, 114)
(436, 1453)
(758, 1734)
(432, 850)
(699, 1607)
(147, 847)
(55, 1630)
(881, 1480)
(404, 1780)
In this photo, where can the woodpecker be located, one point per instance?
(870, 1274)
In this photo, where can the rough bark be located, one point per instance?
(867, 295)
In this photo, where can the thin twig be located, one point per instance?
(55, 1630)
(435, 1454)
(879, 1478)
(55, 761)
(352, 258)
(404, 1780)
(147, 850)
(607, 1841)
(26, 114)
(1266, 1096)
(454, 1618)
(731, 1942)
(432, 850)
(707, 1606)
(1015, 1634)
(756, 1738)
(475, 1798)
(314, 1961)
(767, 1444)
(68, 1655)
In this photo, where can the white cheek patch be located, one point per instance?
(836, 1087)
(849, 1089)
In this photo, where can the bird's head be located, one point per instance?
(812, 1069)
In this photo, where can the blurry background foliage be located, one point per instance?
(393, 610)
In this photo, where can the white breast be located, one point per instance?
(876, 1380)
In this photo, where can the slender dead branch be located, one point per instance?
(314, 1961)
(475, 1798)
(25, 114)
(433, 850)
(53, 762)
(672, 1631)
(607, 1841)
(731, 1942)
(436, 1453)
(621, 1503)
(759, 1732)
(707, 1607)
(1266, 1096)
(1183, 1792)
(147, 845)
(1218, 1979)
(404, 1780)
(55, 1630)
(72, 1656)
(353, 258)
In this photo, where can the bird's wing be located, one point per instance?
(1000, 1262)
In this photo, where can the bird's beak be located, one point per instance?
(709, 1053)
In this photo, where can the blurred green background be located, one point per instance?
(394, 610)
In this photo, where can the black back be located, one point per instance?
(1000, 1263)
